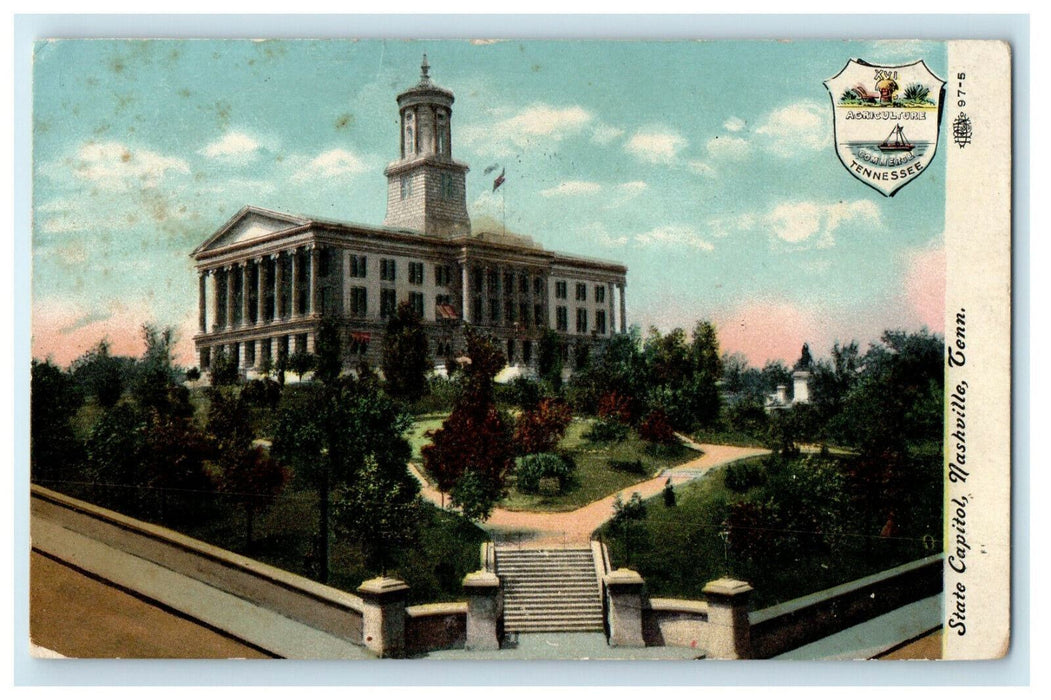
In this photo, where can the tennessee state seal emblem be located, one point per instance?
(886, 121)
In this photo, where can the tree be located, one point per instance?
(54, 401)
(116, 450)
(100, 375)
(328, 350)
(406, 360)
(627, 523)
(223, 369)
(155, 373)
(549, 358)
(543, 427)
(300, 362)
(254, 479)
(472, 453)
(329, 435)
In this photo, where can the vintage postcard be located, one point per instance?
(503, 349)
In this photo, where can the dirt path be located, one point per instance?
(575, 527)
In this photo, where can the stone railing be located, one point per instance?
(89, 537)
(723, 628)
(783, 627)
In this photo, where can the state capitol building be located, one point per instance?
(267, 279)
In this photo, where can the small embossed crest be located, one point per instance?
(886, 121)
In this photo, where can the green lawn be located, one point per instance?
(417, 433)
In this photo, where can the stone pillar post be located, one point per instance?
(245, 306)
(312, 297)
(260, 352)
(260, 290)
(228, 272)
(294, 296)
(202, 301)
(624, 588)
(465, 293)
(623, 310)
(279, 283)
(484, 610)
(730, 636)
(215, 298)
(383, 618)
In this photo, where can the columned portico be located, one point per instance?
(260, 294)
(228, 272)
(294, 296)
(202, 302)
(312, 296)
(279, 284)
(216, 297)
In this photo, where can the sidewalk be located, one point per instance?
(575, 527)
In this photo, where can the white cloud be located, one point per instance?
(701, 168)
(233, 144)
(801, 222)
(598, 233)
(728, 148)
(604, 133)
(655, 145)
(734, 124)
(675, 236)
(334, 163)
(114, 166)
(572, 188)
(795, 129)
(536, 125)
(631, 189)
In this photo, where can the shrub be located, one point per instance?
(543, 427)
(656, 428)
(265, 393)
(744, 476)
(614, 407)
(604, 430)
(629, 466)
(532, 468)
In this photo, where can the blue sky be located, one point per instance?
(706, 167)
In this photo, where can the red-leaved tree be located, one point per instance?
(542, 428)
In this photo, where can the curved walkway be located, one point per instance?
(574, 528)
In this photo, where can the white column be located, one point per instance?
(202, 301)
(611, 316)
(214, 272)
(315, 254)
(623, 310)
(244, 293)
(295, 283)
(260, 287)
(465, 293)
(279, 280)
(228, 273)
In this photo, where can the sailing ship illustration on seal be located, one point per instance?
(898, 144)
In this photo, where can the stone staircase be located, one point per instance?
(549, 590)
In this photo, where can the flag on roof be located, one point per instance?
(499, 180)
(447, 311)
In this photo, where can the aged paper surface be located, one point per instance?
(694, 350)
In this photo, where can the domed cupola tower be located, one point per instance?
(426, 188)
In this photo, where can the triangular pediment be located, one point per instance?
(249, 224)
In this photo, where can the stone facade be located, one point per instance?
(267, 279)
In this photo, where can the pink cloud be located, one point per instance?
(924, 287)
(64, 332)
(768, 331)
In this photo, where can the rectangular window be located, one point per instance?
(582, 291)
(538, 315)
(324, 262)
(509, 312)
(388, 269)
(476, 317)
(523, 313)
(600, 294)
(478, 280)
(388, 302)
(358, 266)
(538, 286)
(443, 300)
(416, 300)
(562, 318)
(582, 321)
(494, 311)
(358, 344)
(448, 191)
(523, 284)
(442, 275)
(415, 273)
(560, 290)
(494, 282)
(406, 187)
(359, 301)
(509, 283)
(600, 321)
